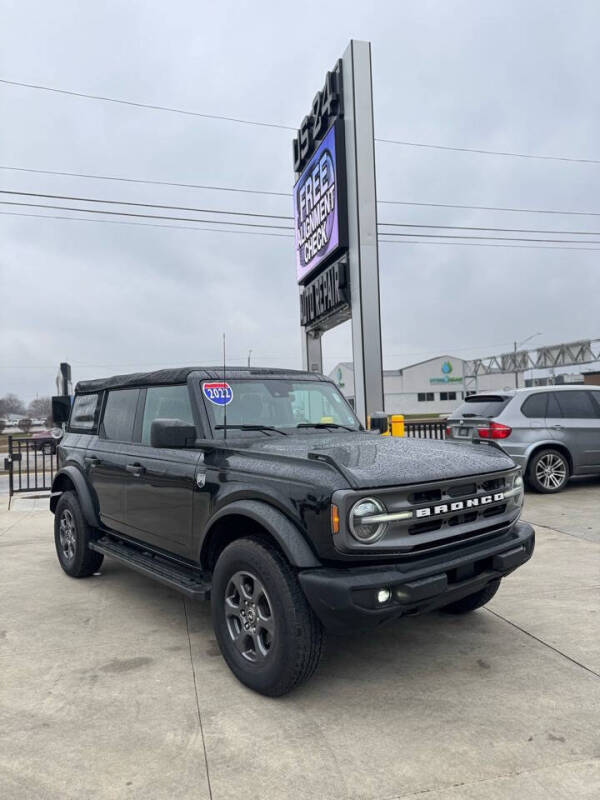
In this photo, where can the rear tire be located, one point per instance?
(473, 601)
(548, 471)
(268, 634)
(72, 535)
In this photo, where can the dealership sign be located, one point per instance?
(335, 222)
(446, 375)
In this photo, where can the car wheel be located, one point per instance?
(473, 601)
(548, 471)
(268, 634)
(71, 538)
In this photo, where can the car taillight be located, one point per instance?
(447, 430)
(495, 431)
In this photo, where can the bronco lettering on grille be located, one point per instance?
(459, 505)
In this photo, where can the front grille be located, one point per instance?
(444, 514)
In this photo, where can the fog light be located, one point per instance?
(383, 595)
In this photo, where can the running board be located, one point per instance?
(192, 583)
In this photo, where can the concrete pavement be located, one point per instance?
(114, 687)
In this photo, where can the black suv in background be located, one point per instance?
(264, 491)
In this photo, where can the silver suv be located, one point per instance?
(552, 432)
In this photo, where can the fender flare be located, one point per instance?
(553, 444)
(82, 490)
(286, 534)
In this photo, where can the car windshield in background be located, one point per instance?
(273, 403)
(482, 405)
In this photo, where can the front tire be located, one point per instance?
(473, 601)
(71, 538)
(548, 471)
(268, 634)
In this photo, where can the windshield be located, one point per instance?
(274, 403)
(482, 405)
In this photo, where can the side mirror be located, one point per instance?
(172, 433)
(61, 408)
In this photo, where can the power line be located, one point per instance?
(142, 180)
(283, 217)
(490, 152)
(275, 227)
(143, 205)
(209, 187)
(282, 235)
(257, 355)
(145, 224)
(150, 106)
(403, 143)
(146, 216)
(480, 228)
(481, 244)
(494, 238)
(488, 208)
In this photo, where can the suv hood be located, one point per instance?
(368, 460)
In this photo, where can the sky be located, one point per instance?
(113, 298)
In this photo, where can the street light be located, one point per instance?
(517, 345)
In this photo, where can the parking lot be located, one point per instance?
(114, 687)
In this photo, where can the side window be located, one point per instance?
(166, 402)
(83, 413)
(576, 405)
(119, 414)
(553, 407)
(534, 406)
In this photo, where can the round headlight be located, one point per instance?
(361, 527)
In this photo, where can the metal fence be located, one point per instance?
(425, 429)
(31, 464)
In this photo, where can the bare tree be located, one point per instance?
(11, 404)
(40, 408)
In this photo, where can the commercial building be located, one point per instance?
(434, 386)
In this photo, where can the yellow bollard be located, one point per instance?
(397, 425)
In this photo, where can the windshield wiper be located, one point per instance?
(251, 428)
(324, 425)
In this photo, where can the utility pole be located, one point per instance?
(249, 354)
(516, 370)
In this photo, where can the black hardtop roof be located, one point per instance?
(162, 377)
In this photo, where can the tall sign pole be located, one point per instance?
(363, 252)
(335, 218)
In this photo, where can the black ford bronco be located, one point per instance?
(264, 491)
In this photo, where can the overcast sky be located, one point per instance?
(511, 76)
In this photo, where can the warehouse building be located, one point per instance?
(434, 386)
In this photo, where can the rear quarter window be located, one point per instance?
(535, 406)
(119, 414)
(84, 411)
(482, 405)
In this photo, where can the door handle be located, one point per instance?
(135, 469)
(91, 461)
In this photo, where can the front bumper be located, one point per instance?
(346, 599)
